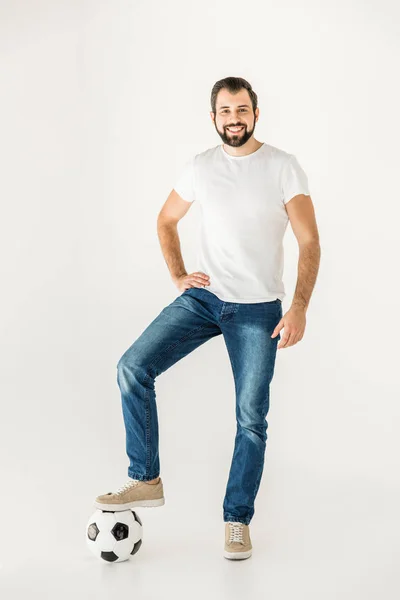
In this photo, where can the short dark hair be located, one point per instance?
(233, 85)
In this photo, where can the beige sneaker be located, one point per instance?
(237, 541)
(133, 493)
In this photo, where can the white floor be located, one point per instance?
(312, 540)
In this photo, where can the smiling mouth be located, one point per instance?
(235, 130)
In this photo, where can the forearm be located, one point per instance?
(308, 265)
(171, 248)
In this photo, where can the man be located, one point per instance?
(248, 191)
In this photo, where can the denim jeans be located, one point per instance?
(194, 317)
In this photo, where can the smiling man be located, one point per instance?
(248, 192)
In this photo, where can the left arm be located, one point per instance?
(301, 213)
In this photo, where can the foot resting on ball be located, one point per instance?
(131, 494)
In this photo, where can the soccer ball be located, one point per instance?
(114, 536)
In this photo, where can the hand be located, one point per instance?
(197, 279)
(294, 322)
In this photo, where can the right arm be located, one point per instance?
(173, 210)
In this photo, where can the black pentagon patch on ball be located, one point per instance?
(109, 556)
(120, 531)
(136, 547)
(137, 518)
(93, 532)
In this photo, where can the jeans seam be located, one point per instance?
(148, 446)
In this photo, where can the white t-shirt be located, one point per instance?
(243, 218)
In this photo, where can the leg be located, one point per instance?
(252, 353)
(179, 329)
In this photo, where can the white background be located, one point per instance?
(102, 104)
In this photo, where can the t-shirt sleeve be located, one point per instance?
(184, 184)
(294, 180)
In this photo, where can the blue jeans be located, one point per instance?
(194, 317)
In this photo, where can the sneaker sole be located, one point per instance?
(128, 505)
(237, 555)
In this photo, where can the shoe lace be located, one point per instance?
(235, 531)
(126, 486)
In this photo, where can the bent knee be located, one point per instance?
(130, 369)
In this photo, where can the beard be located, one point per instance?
(235, 139)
